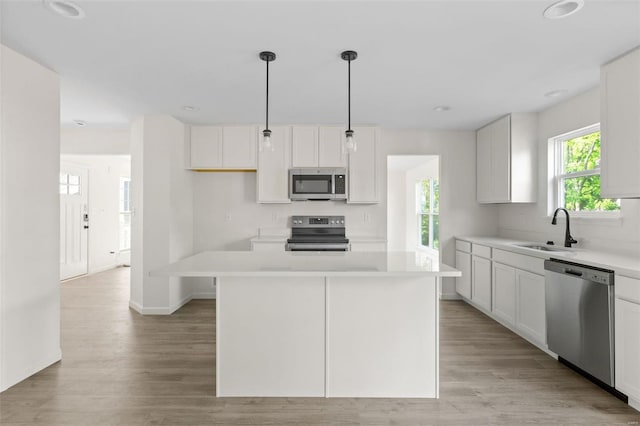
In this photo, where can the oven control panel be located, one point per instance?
(317, 221)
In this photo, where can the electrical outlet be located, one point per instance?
(227, 217)
(367, 218)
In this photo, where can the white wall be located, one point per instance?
(532, 221)
(162, 199)
(226, 215)
(104, 202)
(29, 218)
(91, 140)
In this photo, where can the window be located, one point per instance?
(428, 200)
(125, 213)
(69, 184)
(577, 173)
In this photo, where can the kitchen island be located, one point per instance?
(323, 324)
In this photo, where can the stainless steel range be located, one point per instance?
(317, 233)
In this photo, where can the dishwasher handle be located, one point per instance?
(572, 272)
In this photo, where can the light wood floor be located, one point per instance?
(121, 368)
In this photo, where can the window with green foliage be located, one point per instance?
(428, 197)
(578, 172)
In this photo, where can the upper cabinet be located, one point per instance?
(506, 160)
(620, 127)
(317, 147)
(223, 147)
(273, 167)
(363, 179)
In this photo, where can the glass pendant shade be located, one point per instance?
(266, 144)
(350, 143)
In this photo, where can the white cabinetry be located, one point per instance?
(620, 127)
(504, 292)
(530, 311)
(627, 338)
(481, 276)
(304, 146)
(506, 160)
(226, 147)
(317, 147)
(463, 264)
(273, 168)
(363, 179)
(364, 245)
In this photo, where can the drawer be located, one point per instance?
(482, 251)
(627, 288)
(520, 261)
(463, 246)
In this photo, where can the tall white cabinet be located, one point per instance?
(272, 177)
(506, 160)
(363, 179)
(620, 127)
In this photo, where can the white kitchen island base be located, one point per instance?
(327, 336)
(314, 325)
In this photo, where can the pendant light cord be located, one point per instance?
(349, 92)
(267, 122)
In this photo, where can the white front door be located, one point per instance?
(74, 221)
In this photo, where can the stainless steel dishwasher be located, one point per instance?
(579, 305)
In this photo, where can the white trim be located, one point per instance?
(634, 403)
(450, 296)
(44, 363)
(204, 295)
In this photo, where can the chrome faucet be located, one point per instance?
(568, 239)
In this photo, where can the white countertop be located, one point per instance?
(283, 239)
(278, 264)
(628, 266)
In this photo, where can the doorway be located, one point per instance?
(74, 221)
(413, 204)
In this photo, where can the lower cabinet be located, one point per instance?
(530, 310)
(463, 283)
(627, 338)
(504, 293)
(481, 281)
(368, 246)
(268, 245)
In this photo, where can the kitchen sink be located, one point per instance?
(540, 247)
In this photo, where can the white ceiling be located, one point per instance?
(482, 58)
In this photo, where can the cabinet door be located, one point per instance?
(531, 318)
(481, 281)
(330, 151)
(620, 127)
(206, 147)
(504, 292)
(501, 160)
(627, 350)
(273, 168)
(483, 165)
(304, 147)
(363, 187)
(463, 283)
(239, 145)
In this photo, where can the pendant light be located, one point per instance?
(266, 144)
(350, 142)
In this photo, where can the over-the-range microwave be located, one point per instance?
(313, 183)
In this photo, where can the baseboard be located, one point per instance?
(180, 304)
(634, 403)
(204, 295)
(103, 268)
(47, 362)
(450, 296)
(149, 311)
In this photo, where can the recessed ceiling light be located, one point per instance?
(80, 123)
(555, 93)
(442, 108)
(65, 8)
(190, 108)
(562, 9)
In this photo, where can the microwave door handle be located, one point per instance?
(333, 184)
